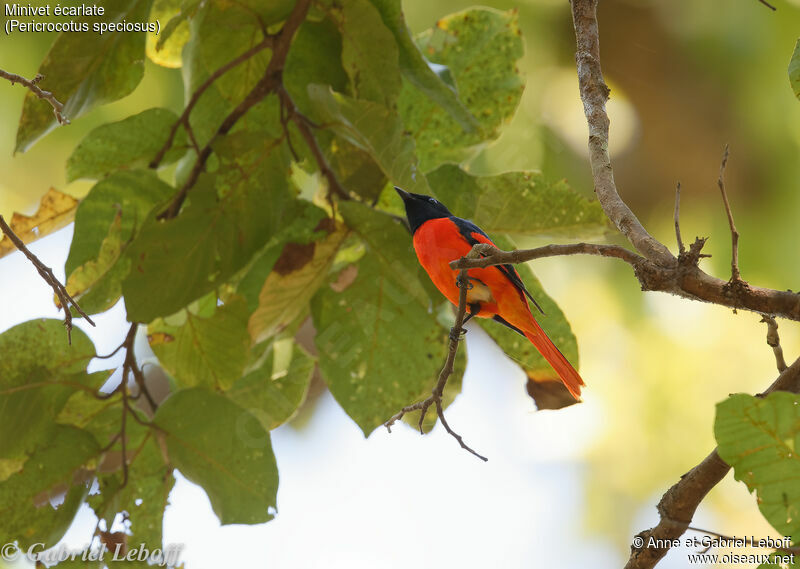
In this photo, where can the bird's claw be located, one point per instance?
(460, 283)
(457, 336)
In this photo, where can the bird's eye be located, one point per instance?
(432, 200)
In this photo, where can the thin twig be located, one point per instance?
(681, 248)
(679, 503)
(768, 5)
(112, 354)
(284, 119)
(184, 118)
(774, 341)
(456, 334)
(266, 85)
(64, 298)
(735, 276)
(33, 87)
(190, 133)
(124, 389)
(130, 365)
(304, 125)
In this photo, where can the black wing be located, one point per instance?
(467, 228)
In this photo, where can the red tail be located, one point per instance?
(572, 380)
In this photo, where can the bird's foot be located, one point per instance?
(461, 283)
(457, 336)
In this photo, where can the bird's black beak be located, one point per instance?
(402, 193)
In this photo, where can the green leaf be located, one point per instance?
(273, 391)
(27, 513)
(100, 417)
(355, 169)
(760, 438)
(84, 70)
(144, 496)
(314, 57)
(221, 31)
(379, 347)
(390, 243)
(794, 70)
(374, 129)
(481, 48)
(38, 373)
(544, 385)
(369, 51)
(518, 202)
(209, 351)
(230, 457)
(129, 143)
(418, 71)
(297, 274)
(269, 12)
(231, 214)
(106, 222)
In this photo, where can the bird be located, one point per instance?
(495, 292)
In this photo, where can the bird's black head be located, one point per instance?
(420, 208)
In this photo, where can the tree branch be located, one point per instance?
(660, 270)
(184, 118)
(33, 87)
(679, 503)
(594, 94)
(64, 298)
(268, 83)
(685, 280)
(456, 334)
(488, 255)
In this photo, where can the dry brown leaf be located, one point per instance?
(548, 392)
(56, 209)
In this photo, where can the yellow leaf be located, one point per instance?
(56, 210)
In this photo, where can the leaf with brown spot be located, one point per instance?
(56, 209)
(157, 338)
(294, 257)
(287, 291)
